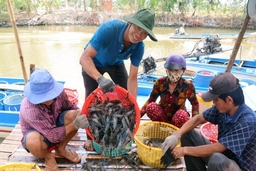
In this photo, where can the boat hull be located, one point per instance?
(200, 36)
(7, 122)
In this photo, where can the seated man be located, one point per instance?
(182, 29)
(48, 119)
(236, 146)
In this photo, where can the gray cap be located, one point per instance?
(221, 84)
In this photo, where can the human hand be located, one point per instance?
(178, 152)
(170, 142)
(106, 85)
(81, 121)
(167, 158)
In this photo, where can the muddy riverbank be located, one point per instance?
(72, 17)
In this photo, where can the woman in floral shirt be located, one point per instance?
(173, 91)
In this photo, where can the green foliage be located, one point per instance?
(4, 17)
(168, 6)
(141, 4)
(19, 4)
(122, 4)
(195, 7)
(3, 6)
(183, 5)
(153, 4)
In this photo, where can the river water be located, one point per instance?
(58, 49)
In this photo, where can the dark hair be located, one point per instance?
(237, 96)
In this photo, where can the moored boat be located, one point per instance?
(242, 69)
(204, 35)
(7, 122)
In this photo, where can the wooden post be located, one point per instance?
(10, 10)
(237, 44)
(32, 68)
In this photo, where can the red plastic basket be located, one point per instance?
(210, 131)
(72, 95)
(119, 93)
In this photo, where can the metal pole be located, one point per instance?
(10, 10)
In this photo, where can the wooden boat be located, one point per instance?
(200, 36)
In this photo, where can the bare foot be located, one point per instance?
(88, 145)
(51, 164)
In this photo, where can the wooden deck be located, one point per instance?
(12, 151)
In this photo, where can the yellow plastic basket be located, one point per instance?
(19, 167)
(151, 156)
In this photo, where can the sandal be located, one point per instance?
(73, 156)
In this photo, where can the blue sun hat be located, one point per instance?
(42, 87)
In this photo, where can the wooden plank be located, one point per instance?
(15, 132)
(237, 44)
(11, 150)
(14, 138)
(6, 141)
(7, 148)
(4, 156)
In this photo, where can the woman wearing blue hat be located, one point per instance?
(48, 119)
(112, 43)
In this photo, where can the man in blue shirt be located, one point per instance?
(113, 42)
(236, 146)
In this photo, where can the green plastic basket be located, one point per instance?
(113, 152)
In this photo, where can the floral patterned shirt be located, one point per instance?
(172, 102)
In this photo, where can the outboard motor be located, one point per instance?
(177, 31)
(148, 64)
(212, 44)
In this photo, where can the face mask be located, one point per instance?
(174, 76)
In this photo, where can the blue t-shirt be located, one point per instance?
(108, 42)
(237, 133)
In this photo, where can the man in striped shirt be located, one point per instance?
(48, 119)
